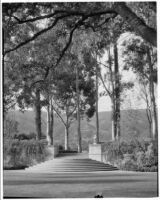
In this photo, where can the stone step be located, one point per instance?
(71, 165)
(72, 171)
(71, 168)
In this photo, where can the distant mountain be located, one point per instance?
(133, 123)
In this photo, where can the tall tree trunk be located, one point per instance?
(97, 116)
(50, 122)
(78, 111)
(117, 92)
(112, 96)
(148, 108)
(4, 108)
(113, 120)
(66, 140)
(38, 114)
(149, 117)
(3, 41)
(153, 101)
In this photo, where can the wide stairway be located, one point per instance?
(70, 163)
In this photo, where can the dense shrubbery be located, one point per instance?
(20, 153)
(132, 155)
(23, 136)
(20, 149)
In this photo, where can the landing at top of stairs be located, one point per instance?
(82, 155)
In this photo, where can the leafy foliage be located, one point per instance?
(135, 57)
(10, 128)
(133, 155)
(23, 153)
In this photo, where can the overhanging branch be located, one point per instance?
(79, 23)
(35, 35)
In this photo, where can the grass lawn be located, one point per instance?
(79, 185)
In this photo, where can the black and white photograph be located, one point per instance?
(79, 99)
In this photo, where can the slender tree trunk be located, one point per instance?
(78, 111)
(97, 116)
(117, 93)
(66, 141)
(48, 119)
(148, 108)
(154, 114)
(149, 117)
(48, 123)
(112, 96)
(4, 110)
(153, 101)
(51, 123)
(38, 114)
(113, 120)
(3, 37)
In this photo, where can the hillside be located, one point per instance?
(133, 122)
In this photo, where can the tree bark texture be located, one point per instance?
(78, 112)
(38, 114)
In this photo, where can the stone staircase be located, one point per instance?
(70, 163)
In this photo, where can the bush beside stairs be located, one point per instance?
(71, 162)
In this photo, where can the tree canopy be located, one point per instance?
(21, 20)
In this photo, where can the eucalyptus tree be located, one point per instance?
(142, 58)
(65, 97)
(109, 43)
(144, 95)
(64, 103)
(88, 52)
(91, 59)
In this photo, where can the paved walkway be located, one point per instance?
(79, 185)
